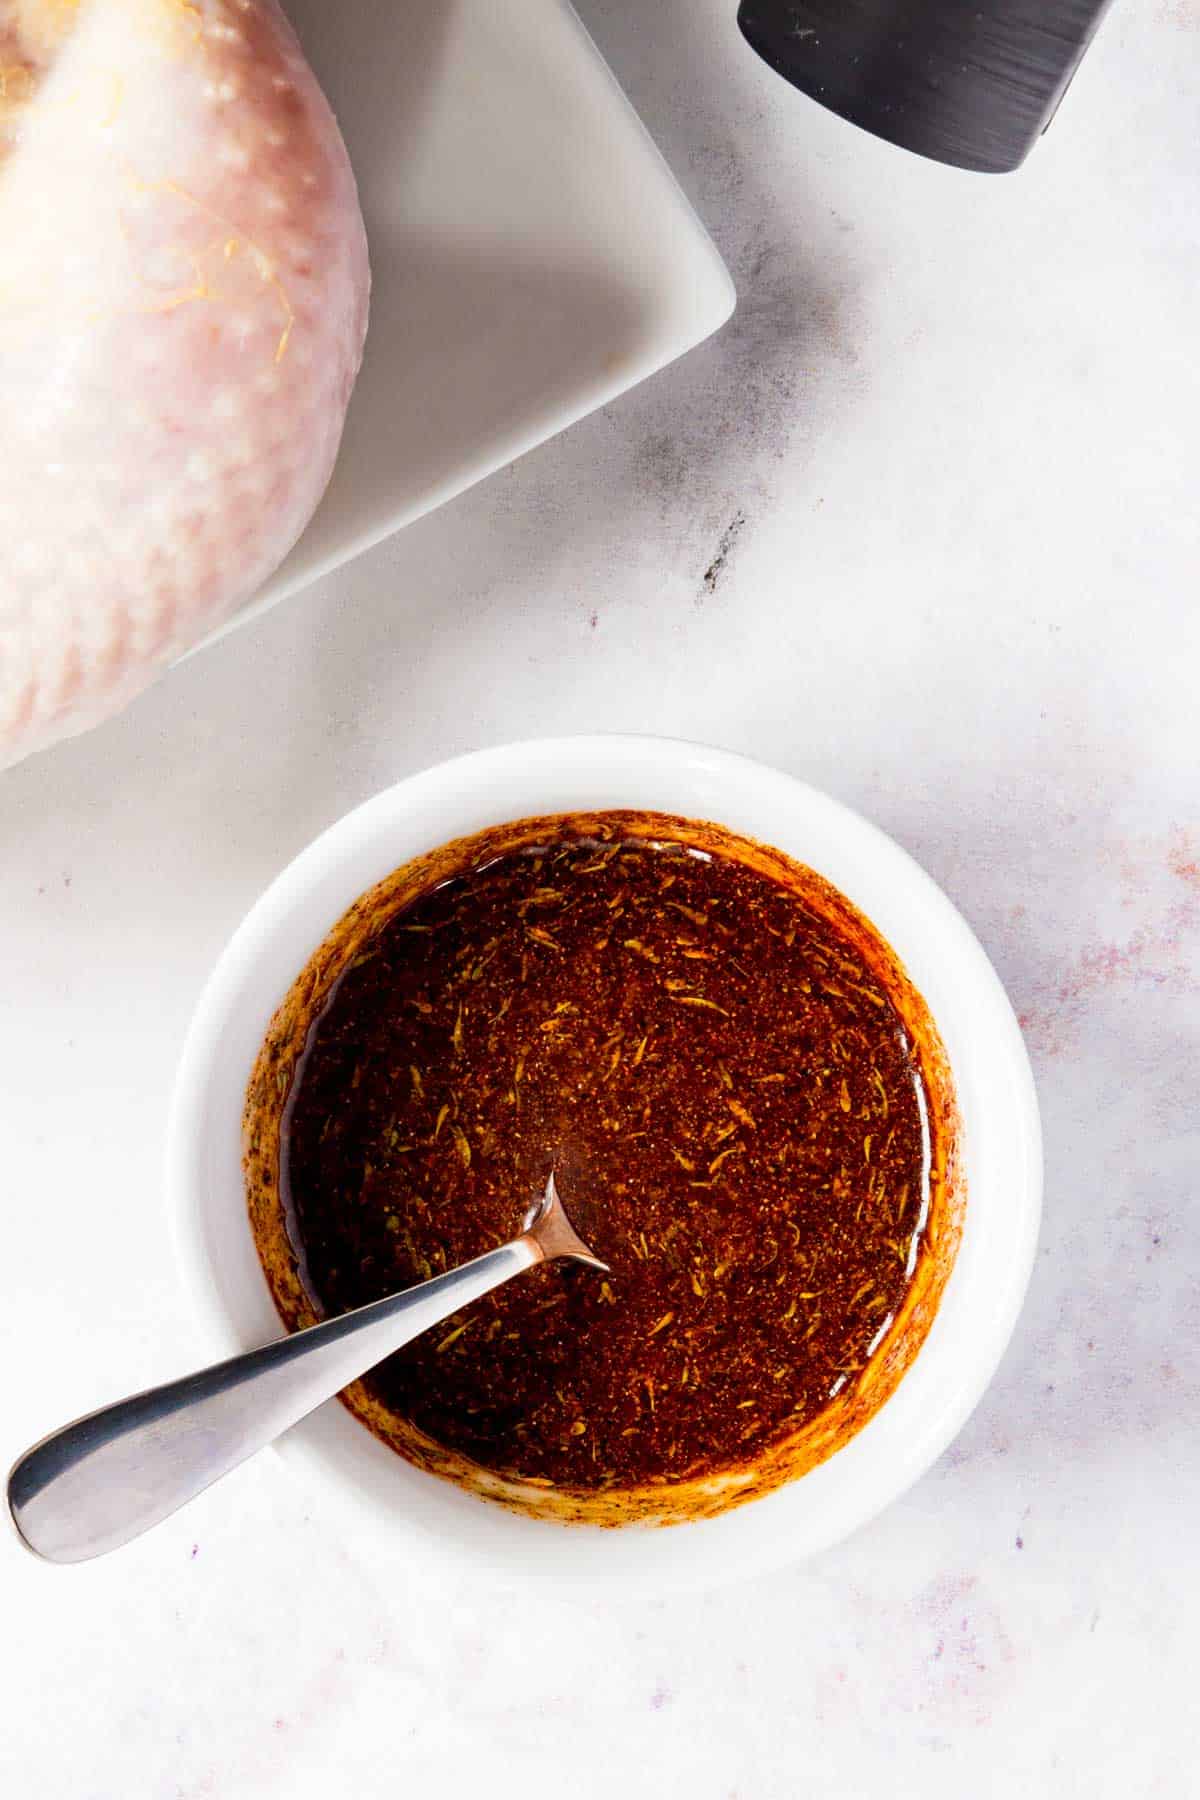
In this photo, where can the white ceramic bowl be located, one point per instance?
(398, 1510)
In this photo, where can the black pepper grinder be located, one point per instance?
(968, 82)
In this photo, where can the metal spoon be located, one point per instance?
(105, 1479)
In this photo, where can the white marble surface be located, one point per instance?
(952, 439)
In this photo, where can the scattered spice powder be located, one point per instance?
(738, 1135)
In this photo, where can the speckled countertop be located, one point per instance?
(922, 527)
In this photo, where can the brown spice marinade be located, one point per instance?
(735, 1114)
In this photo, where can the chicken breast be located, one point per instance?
(183, 302)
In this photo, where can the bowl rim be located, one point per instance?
(408, 1513)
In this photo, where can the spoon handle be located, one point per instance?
(108, 1477)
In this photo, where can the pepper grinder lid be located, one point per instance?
(974, 85)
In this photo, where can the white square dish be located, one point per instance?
(532, 254)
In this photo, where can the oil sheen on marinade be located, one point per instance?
(735, 1117)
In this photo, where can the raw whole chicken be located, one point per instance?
(183, 301)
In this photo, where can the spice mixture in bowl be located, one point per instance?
(746, 1105)
(428, 1008)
